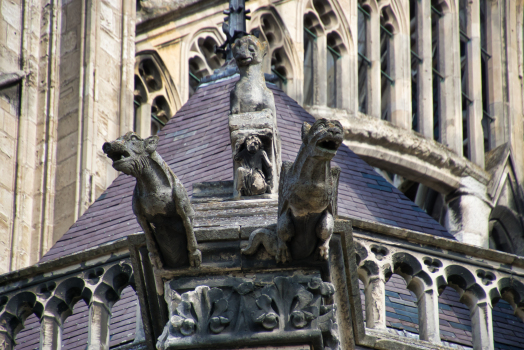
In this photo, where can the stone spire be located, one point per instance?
(234, 26)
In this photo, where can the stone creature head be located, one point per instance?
(129, 152)
(253, 144)
(249, 50)
(323, 137)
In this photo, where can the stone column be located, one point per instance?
(450, 88)
(514, 89)
(482, 326)
(428, 316)
(400, 70)
(373, 107)
(319, 71)
(50, 333)
(375, 293)
(98, 332)
(498, 128)
(96, 96)
(425, 68)
(344, 82)
(143, 120)
(474, 84)
(468, 213)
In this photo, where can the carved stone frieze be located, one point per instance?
(307, 201)
(244, 308)
(160, 201)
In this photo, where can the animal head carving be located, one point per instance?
(253, 144)
(128, 152)
(323, 137)
(249, 50)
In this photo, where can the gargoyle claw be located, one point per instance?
(195, 258)
(283, 254)
(323, 251)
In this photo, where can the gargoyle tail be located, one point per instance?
(262, 236)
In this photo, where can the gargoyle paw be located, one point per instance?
(323, 251)
(283, 255)
(195, 258)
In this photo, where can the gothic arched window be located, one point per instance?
(155, 97)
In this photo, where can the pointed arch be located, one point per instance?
(156, 97)
(201, 57)
(283, 59)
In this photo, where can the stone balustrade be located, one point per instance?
(52, 300)
(480, 283)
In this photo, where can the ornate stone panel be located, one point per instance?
(262, 310)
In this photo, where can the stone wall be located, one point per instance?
(74, 61)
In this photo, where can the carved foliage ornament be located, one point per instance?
(282, 306)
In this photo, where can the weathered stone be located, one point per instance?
(266, 310)
(254, 173)
(250, 93)
(160, 201)
(307, 199)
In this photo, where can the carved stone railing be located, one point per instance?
(480, 276)
(51, 294)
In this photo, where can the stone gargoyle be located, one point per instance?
(160, 201)
(307, 201)
(251, 93)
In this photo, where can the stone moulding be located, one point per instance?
(296, 309)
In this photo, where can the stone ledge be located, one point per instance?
(385, 340)
(90, 257)
(438, 242)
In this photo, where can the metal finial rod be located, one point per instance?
(234, 26)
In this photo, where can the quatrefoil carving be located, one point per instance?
(486, 277)
(433, 264)
(45, 289)
(379, 251)
(93, 276)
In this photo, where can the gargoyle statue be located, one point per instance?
(251, 93)
(254, 174)
(307, 197)
(160, 201)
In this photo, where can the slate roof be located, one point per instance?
(196, 145)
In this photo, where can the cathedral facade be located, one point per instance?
(430, 97)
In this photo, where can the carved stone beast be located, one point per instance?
(307, 197)
(251, 93)
(160, 201)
